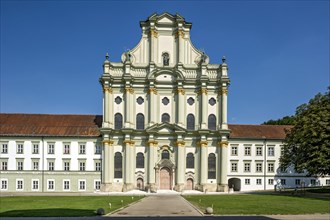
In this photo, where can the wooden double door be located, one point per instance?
(165, 178)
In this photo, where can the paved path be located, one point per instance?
(160, 205)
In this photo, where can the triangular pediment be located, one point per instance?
(165, 20)
(165, 128)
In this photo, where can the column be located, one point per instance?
(108, 165)
(153, 105)
(224, 93)
(180, 166)
(152, 150)
(128, 105)
(222, 181)
(110, 108)
(204, 113)
(106, 107)
(181, 106)
(128, 166)
(203, 164)
(180, 36)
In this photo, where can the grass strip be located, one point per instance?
(244, 204)
(60, 206)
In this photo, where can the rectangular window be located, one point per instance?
(82, 149)
(247, 181)
(82, 166)
(258, 167)
(4, 165)
(271, 151)
(297, 181)
(20, 165)
(233, 167)
(258, 151)
(51, 149)
(35, 149)
(234, 150)
(82, 184)
(51, 166)
(98, 166)
(97, 185)
(270, 181)
(98, 149)
(247, 167)
(66, 185)
(66, 149)
(283, 182)
(35, 184)
(66, 166)
(258, 181)
(271, 167)
(51, 184)
(35, 165)
(19, 185)
(4, 149)
(247, 151)
(19, 148)
(327, 182)
(4, 184)
(313, 182)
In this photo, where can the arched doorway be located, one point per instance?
(234, 183)
(165, 178)
(190, 184)
(140, 184)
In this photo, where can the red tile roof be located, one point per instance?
(50, 125)
(89, 125)
(258, 131)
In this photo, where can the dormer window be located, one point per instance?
(166, 59)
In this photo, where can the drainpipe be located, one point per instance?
(265, 151)
(42, 164)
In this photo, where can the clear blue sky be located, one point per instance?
(52, 51)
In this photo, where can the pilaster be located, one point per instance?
(180, 105)
(222, 181)
(108, 166)
(129, 165)
(153, 105)
(152, 150)
(180, 164)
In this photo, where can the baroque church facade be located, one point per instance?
(164, 126)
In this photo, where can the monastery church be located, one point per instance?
(164, 126)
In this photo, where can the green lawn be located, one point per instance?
(260, 204)
(44, 206)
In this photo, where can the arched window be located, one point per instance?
(165, 154)
(190, 161)
(118, 165)
(139, 121)
(212, 122)
(165, 117)
(118, 121)
(166, 59)
(211, 166)
(139, 160)
(190, 122)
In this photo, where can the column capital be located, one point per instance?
(129, 142)
(223, 143)
(152, 90)
(180, 91)
(202, 143)
(152, 143)
(107, 89)
(180, 143)
(202, 91)
(107, 142)
(180, 33)
(129, 90)
(154, 33)
(223, 91)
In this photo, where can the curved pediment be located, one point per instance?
(166, 75)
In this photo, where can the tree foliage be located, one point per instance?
(307, 144)
(287, 120)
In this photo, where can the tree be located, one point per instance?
(307, 144)
(287, 120)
